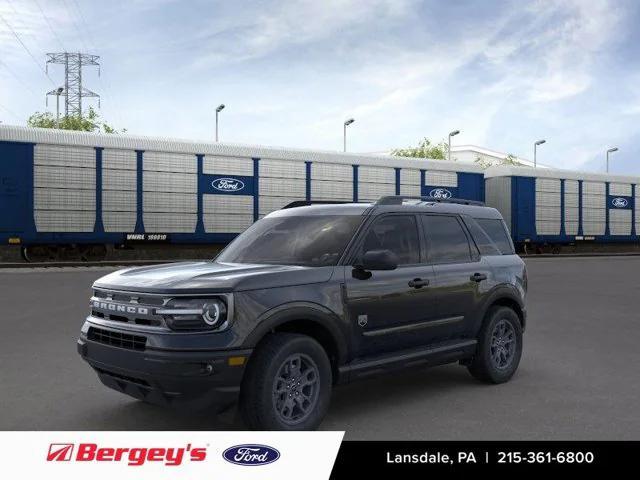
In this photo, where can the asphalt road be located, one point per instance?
(579, 377)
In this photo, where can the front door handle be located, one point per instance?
(478, 277)
(418, 283)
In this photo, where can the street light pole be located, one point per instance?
(451, 134)
(535, 152)
(344, 132)
(58, 92)
(611, 150)
(218, 110)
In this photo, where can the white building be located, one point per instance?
(488, 157)
(470, 153)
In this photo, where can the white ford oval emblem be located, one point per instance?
(620, 202)
(228, 184)
(440, 193)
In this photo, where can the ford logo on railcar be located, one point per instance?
(251, 455)
(228, 184)
(440, 193)
(620, 202)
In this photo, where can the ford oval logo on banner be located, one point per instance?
(251, 455)
(228, 184)
(620, 202)
(440, 193)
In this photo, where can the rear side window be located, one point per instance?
(397, 233)
(446, 240)
(497, 232)
(480, 237)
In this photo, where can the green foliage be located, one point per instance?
(425, 149)
(89, 122)
(510, 159)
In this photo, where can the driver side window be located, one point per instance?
(397, 233)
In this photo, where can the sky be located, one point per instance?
(505, 73)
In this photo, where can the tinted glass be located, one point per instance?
(481, 239)
(497, 231)
(314, 241)
(397, 233)
(446, 239)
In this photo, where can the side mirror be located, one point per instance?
(379, 260)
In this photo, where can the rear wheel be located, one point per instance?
(287, 385)
(499, 346)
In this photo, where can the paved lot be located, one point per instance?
(579, 377)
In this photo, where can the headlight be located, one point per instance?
(195, 313)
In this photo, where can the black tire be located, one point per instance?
(270, 392)
(496, 361)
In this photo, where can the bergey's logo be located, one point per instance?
(620, 202)
(132, 456)
(60, 452)
(228, 184)
(440, 193)
(251, 455)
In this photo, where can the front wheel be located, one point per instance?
(287, 385)
(499, 346)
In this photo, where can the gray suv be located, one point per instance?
(310, 297)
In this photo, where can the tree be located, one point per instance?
(91, 122)
(510, 159)
(425, 149)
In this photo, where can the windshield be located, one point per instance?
(316, 241)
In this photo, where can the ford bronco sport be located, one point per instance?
(310, 297)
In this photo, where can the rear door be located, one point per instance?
(15, 168)
(462, 276)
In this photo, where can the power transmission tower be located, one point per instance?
(73, 91)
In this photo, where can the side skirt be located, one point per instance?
(448, 352)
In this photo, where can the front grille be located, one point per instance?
(131, 308)
(117, 339)
(129, 297)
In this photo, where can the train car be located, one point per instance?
(81, 192)
(547, 209)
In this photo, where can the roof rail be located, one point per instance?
(399, 199)
(306, 203)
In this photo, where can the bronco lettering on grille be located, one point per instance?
(116, 307)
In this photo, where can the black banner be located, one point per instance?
(414, 459)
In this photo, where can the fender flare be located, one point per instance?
(313, 312)
(500, 292)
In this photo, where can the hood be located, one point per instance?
(210, 277)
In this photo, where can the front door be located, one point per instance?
(390, 309)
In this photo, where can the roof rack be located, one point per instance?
(306, 203)
(399, 199)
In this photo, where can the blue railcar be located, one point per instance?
(546, 207)
(61, 188)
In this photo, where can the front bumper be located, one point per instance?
(196, 379)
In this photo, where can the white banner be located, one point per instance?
(168, 455)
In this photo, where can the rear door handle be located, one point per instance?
(478, 277)
(418, 283)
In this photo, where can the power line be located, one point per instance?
(85, 27)
(75, 25)
(15, 34)
(46, 19)
(18, 79)
(10, 112)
